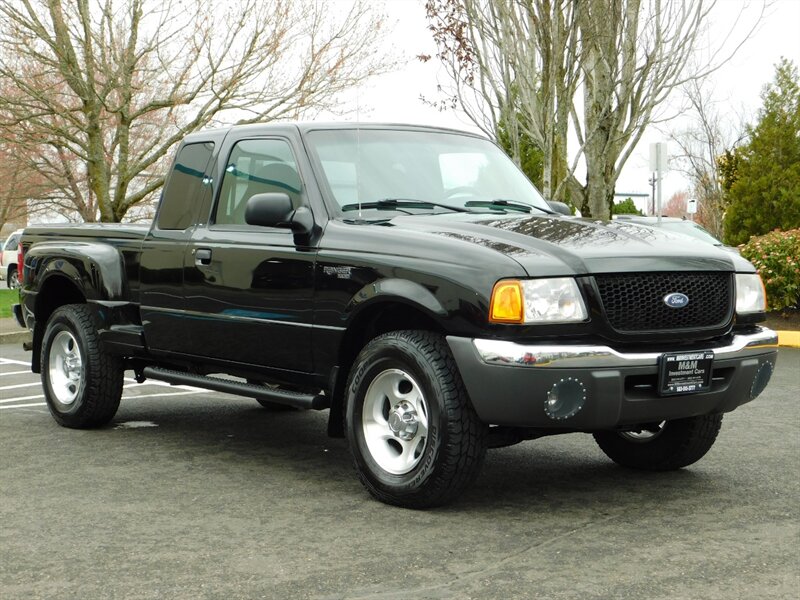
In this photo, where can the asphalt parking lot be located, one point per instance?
(190, 494)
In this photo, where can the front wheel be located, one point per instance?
(416, 441)
(664, 446)
(82, 383)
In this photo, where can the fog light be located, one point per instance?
(565, 399)
(761, 380)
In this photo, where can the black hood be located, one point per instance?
(554, 245)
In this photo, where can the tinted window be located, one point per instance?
(256, 167)
(185, 187)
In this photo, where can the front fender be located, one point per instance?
(97, 269)
(402, 290)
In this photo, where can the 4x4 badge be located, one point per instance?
(676, 300)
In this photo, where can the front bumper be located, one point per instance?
(509, 383)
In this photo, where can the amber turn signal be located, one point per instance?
(506, 305)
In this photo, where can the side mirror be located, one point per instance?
(268, 210)
(560, 207)
(275, 210)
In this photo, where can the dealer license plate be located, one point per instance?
(685, 372)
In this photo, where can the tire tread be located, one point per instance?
(103, 373)
(683, 442)
(464, 452)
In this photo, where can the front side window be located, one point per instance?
(256, 167)
(185, 187)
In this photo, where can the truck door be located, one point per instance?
(187, 189)
(250, 288)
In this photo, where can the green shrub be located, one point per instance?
(776, 255)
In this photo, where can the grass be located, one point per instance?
(7, 298)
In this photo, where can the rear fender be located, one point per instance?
(95, 268)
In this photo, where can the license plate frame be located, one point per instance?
(681, 373)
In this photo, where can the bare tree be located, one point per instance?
(513, 66)
(700, 144)
(101, 91)
(676, 205)
(608, 64)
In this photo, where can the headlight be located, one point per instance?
(555, 300)
(750, 294)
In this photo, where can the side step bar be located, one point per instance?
(296, 399)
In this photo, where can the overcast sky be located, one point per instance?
(736, 86)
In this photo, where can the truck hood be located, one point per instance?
(555, 245)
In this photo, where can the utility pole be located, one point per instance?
(658, 163)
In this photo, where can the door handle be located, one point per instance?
(202, 256)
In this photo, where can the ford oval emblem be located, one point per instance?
(676, 300)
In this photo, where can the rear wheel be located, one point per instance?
(663, 446)
(82, 383)
(13, 278)
(416, 441)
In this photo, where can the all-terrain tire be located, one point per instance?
(82, 383)
(422, 385)
(677, 444)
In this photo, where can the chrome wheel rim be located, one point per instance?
(645, 434)
(13, 280)
(394, 421)
(65, 368)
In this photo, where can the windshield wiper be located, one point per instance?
(400, 203)
(501, 204)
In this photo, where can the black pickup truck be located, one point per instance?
(412, 281)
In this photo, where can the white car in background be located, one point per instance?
(8, 259)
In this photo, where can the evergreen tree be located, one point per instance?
(763, 185)
(626, 207)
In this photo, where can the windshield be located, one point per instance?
(368, 166)
(691, 229)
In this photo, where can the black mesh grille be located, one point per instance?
(635, 302)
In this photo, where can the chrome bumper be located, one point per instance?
(497, 352)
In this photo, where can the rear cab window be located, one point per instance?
(185, 188)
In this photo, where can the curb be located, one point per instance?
(788, 339)
(15, 337)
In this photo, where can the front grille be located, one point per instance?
(635, 301)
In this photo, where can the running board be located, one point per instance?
(296, 399)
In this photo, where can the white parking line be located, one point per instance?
(162, 395)
(16, 373)
(161, 384)
(23, 405)
(19, 385)
(20, 398)
(11, 361)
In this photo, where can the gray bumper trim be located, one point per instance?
(511, 354)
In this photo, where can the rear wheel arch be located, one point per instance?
(56, 291)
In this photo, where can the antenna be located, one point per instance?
(358, 147)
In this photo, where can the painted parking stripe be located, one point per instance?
(19, 385)
(20, 398)
(186, 393)
(28, 372)
(160, 384)
(23, 405)
(11, 361)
